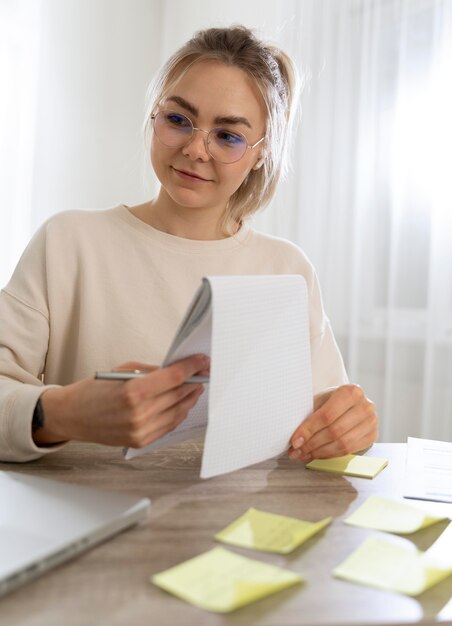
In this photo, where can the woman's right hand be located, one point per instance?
(130, 413)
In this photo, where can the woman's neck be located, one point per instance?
(199, 224)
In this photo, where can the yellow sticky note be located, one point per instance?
(269, 532)
(390, 516)
(379, 563)
(222, 581)
(350, 465)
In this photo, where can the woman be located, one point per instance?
(94, 290)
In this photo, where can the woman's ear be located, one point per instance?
(261, 161)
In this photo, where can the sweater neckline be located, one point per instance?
(180, 243)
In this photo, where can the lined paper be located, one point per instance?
(260, 381)
(256, 331)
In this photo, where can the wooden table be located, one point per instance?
(110, 583)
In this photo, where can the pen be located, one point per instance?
(128, 374)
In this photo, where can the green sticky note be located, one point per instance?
(393, 517)
(350, 465)
(379, 563)
(222, 581)
(270, 532)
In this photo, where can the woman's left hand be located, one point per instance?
(344, 421)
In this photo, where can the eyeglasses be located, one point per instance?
(176, 130)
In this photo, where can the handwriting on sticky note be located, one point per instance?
(222, 581)
(380, 563)
(350, 465)
(390, 516)
(270, 532)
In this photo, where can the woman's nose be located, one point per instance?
(196, 148)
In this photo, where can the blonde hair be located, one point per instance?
(277, 79)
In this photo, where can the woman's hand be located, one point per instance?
(344, 421)
(130, 413)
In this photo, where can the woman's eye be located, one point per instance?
(177, 120)
(225, 137)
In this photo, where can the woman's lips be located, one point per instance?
(186, 175)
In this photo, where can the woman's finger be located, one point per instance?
(165, 401)
(336, 404)
(357, 439)
(168, 377)
(135, 365)
(158, 426)
(339, 429)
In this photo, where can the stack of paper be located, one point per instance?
(350, 465)
(256, 330)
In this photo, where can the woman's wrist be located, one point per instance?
(46, 429)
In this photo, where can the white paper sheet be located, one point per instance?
(428, 473)
(256, 331)
(260, 381)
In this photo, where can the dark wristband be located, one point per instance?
(38, 417)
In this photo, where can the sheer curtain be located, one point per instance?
(369, 197)
(373, 207)
(73, 75)
(399, 337)
(20, 32)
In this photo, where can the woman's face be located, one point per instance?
(211, 94)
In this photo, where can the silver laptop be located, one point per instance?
(45, 522)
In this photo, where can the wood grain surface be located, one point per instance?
(110, 583)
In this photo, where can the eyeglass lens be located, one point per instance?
(175, 130)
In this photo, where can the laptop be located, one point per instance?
(45, 522)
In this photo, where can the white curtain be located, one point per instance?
(19, 73)
(369, 197)
(373, 203)
(73, 74)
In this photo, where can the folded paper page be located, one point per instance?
(350, 465)
(192, 337)
(256, 330)
(269, 532)
(380, 563)
(222, 581)
(390, 516)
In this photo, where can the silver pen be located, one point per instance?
(129, 374)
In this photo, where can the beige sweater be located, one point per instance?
(94, 289)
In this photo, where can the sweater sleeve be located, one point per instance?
(24, 336)
(326, 360)
(328, 368)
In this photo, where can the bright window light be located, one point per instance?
(19, 69)
(422, 148)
